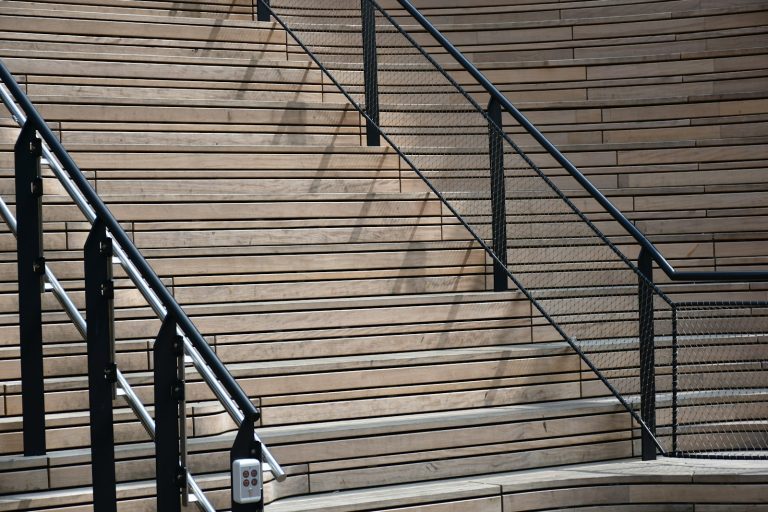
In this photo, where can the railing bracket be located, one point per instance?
(110, 373)
(107, 290)
(38, 266)
(36, 187)
(181, 477)
(105, 247)
(177, 390)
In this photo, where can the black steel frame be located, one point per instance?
(171, 475)
(31, 269)
(498, 196)
(102, 371)
(262, 11)
(647, 353)
(370, 73)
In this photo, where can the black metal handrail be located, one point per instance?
(507, 105)
(181, 335)
(135, 256)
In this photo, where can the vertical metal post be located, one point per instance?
(171, 477)
(674, 379)
(498, 196)
(102, 373)
(370, 72)
(246, 447)
(262, 13)
(647, 356)
(31, 269)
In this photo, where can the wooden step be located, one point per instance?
(237, 9)
(82, 22)
(668, 484)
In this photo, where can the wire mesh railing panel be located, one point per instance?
(438, 117)
(721, 392)
(579, 280)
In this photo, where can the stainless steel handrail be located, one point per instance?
(130, 269)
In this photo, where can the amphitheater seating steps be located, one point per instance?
(380, 357)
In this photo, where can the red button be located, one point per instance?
(245, 483)
(245, 474)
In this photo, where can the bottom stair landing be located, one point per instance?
(667, 484)
(627, 485)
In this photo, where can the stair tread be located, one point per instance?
(363, 427)
(73, 12)
(349, 362)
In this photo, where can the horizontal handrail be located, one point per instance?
(138, 269)
(646, 244)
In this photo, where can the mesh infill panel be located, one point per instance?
(721, 396)
(558, 249)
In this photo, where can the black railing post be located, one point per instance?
(674, 379)
(246, 447)
(262, 13)
(31, 269)
(498, 196)
(102, 373)
(647, 357)
(171, 477)
(370, 72)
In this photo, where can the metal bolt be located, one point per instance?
(178, 345)
(36, 187)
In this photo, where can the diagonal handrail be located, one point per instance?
(205, 360)
(617, 215)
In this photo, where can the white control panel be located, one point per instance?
(246, 481)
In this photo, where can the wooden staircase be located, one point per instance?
(338, 290)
